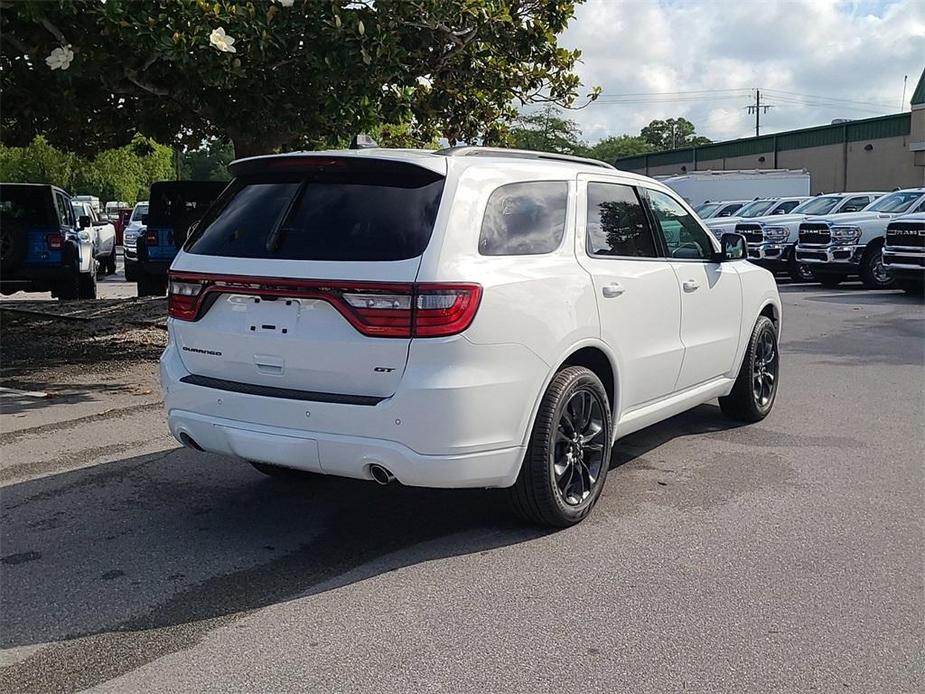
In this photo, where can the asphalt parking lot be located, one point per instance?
(783, 556)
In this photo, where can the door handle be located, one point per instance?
(690, 286)
(612, 290)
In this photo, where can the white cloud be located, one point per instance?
(817, 51)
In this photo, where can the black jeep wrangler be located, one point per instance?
(42, 247)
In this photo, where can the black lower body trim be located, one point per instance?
(284, 393)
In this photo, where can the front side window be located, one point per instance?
(524, 218)
(855, 204)
(729, 210)
(684, 237)
(617, 224)
(757, 208)
(785, 207)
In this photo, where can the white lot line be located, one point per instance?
(7, 393)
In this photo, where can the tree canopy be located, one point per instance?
(124, 173)
(284, 74)
(547, 131)
(672, 133)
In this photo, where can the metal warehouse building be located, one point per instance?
(871, 154)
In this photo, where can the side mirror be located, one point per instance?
(144, 220)
(83, 221)
(733, 246)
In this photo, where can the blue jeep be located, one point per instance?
(173, 207)
(42, 246)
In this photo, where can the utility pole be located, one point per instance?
(758, 109)
(902, 103)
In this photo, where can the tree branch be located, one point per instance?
(53, 30)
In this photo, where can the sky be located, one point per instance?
(813, 60)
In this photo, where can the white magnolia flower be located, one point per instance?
(285, 3)
(425, 81)
(222, 41)
(60, 58)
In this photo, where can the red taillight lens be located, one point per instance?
(444, 309)
(55, 242)
(151, 238)
(183, 299)
(374, 309)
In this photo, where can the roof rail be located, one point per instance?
(468, 151)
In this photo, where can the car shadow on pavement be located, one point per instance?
(145, 556)
(705, 419)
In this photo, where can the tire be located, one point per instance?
(151, 285)
(282, 473)
(109, 265)
(86, 285)
(873, 274)
(68, 289)
(744, 403)
(547, 492)
(14, 244)
(830, 281)
(131, 271)
(799, 272)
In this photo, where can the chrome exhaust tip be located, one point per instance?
(380, 474)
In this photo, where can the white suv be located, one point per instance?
(462, 318)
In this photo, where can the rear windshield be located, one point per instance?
(26, 207)
(382, 213)
(179, 206)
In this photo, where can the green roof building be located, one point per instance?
(879, 153)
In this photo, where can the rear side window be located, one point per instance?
(524, 218)
(617, 223)
(377, 213)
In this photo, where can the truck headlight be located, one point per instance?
(776, 234)
(845, 235)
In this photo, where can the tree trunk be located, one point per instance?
(251, 146)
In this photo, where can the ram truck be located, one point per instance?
(852, 244)
(772, 239)
(904, 252)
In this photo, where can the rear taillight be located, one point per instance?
(374, 309)
(183, 299)
(444, 309)
(55, 242)
(151, 238)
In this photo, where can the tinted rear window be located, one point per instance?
(377, 213)
(26, 207)
(524, 218)
(178, 206)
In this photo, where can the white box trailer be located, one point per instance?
(699, 187)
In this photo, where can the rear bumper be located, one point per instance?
(343, 455)
(460, 419)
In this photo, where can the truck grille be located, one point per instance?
(906, 234)
(815, 233)
(751, 232)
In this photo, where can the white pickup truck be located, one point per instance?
(852, 244)
(102, 235)
(904, 252)
(764, 207)
(771, 239)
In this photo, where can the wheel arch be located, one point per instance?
(595, 356)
